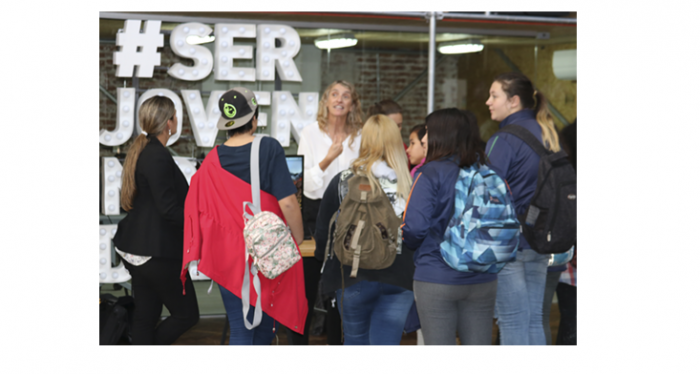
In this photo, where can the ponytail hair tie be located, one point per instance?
(534, 97)
(144, 133)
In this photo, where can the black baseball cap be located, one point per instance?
(237, 107)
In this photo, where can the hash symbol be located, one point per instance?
(137, 48)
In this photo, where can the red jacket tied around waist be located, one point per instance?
(214, 235)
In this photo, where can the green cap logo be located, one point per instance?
(253, 101)
(229, 110)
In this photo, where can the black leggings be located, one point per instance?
(154, 284)
(566, 295)
(312, 268)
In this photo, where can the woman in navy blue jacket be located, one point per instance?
(448, 300)
(521, 284)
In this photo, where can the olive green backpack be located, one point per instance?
(367, 229)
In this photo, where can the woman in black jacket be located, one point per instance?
(149, 238)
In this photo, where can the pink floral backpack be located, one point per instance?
(268, 241)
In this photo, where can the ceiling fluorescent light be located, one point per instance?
(196, 39)
(335, 41)
(462, 46)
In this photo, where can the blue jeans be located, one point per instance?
(519, 299)
(240, 335)
(374, 313)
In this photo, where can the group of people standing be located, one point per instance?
(419, 181)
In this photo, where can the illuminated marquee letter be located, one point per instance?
(203, 121)
(125, 115)
(286, 112)
(138, 49)
(268, 56)
(187, 166)
(109, 274)
(178, 109)
(203, 61)
(263, 98)
(111, 185)
(225, 52)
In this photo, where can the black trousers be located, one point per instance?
(566, 295)
(154, 284)
(312, 269)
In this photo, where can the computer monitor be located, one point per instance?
(296, 171)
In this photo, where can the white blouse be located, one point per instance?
(314, 145)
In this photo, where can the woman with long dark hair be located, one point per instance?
(521, 284)
(448, 300)
(149, 238)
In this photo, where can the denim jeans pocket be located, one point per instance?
(350, 292)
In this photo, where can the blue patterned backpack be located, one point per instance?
(484, 232)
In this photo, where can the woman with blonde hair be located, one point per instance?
(329, 146)
(521, 284)
(150, 237)
(375, 303)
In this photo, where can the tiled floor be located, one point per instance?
(209, 329)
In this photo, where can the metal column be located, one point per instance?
(433, 16)
(431, 62)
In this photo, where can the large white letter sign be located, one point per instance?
(108, 274)
(263, 98)
(187, 166)
(286, 112)
(225, 52)
(138, 49)
(203, 121)
(125, 114)
(111, 186)
(268, 56)
(202, 57)
(178, 109)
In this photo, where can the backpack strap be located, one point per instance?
(245, 296)
(356, 237)
(255, 208)
(334, 220)
(254, 178)
(526, 136)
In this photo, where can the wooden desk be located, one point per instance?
(307, 248)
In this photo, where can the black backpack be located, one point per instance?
(115, 319)
(549, 224)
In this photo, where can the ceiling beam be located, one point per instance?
(329, 25)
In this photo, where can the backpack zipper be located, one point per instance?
(284, 236)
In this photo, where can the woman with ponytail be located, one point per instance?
(521, 284)
(149, 238)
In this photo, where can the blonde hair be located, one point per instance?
(381, 141)
(550, 136)
(153, 118)
(354, 119)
